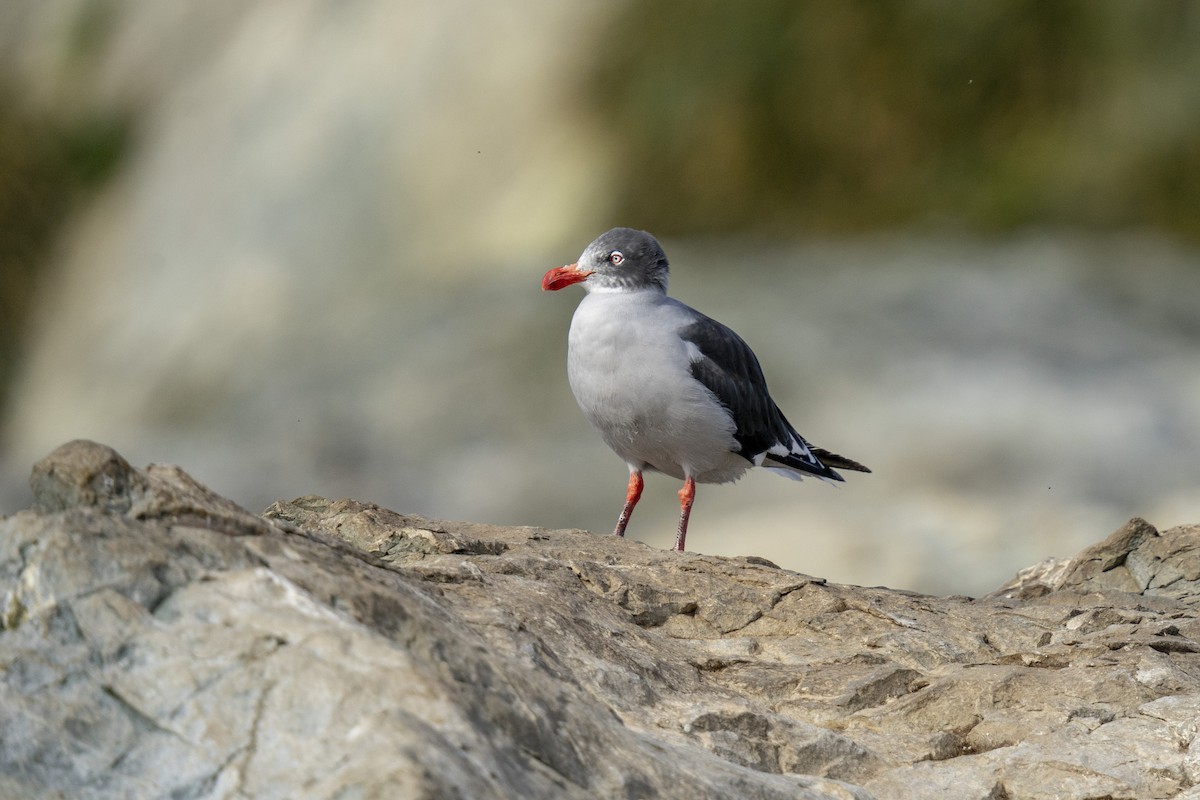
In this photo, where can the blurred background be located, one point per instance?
(296, 248)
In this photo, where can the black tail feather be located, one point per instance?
(801, 464)
(834, 460)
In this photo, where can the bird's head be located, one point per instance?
(620, 260)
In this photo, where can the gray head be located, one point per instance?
(621, 260)
(624, 258)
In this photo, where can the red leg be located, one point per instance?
(686, 495)
(632, 495)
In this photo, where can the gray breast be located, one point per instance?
(630, 372)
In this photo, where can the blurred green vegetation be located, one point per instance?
(49, 162)
(46, 166)
(786, 117)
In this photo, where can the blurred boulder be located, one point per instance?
(313, 195)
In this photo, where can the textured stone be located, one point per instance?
(160, 641)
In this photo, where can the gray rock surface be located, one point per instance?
(159, 641)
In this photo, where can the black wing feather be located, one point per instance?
(731, 371)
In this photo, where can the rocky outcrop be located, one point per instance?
(159, 641)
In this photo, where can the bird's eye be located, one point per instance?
(616, 257)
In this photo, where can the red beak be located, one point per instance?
(561, 277)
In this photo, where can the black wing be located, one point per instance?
(730, 370)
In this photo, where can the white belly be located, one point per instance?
(630, 372)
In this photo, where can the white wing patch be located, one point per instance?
(795, 448)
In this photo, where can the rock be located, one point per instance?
(157, 641)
